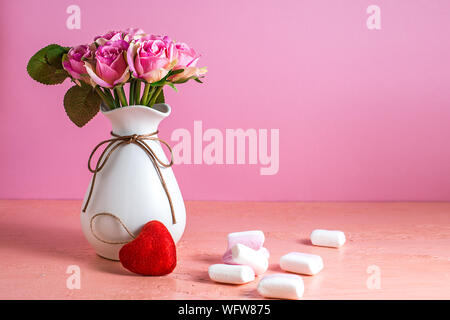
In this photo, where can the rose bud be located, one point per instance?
(73, 62)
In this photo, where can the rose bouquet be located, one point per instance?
(101, 70)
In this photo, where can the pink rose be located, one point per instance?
(188, 73)
(150, 58)
(187, 59)
(133, 34)
(73, 62)
(186, 56)
(109, 36)
(128, 35)
(110, 64)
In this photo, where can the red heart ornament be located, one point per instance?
(151, 253)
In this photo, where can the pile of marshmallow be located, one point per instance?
(246, 257)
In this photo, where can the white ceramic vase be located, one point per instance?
(128, 187)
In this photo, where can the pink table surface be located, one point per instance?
(409, 242)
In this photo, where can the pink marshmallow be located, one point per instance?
(253, 239)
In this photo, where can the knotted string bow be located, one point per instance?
(138, 140)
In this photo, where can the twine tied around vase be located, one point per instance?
(138, 140)
(91, 225)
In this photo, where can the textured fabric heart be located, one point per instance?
(152, 253)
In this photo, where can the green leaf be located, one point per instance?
(181, 81)
(163, 80)
(187, 79)
(172, 72)
(170, 84)
(160, 98)
(81, 104)
(159, 83)
(54, 56)
(46, 65)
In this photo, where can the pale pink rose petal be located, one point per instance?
(152, 63)
(96, 79)
(131, 54)
(155, 75)
(193, 63)
(138, 66)
(188, 73)
(68, 67)
(119, 64)
(106, 72)
(124, 78)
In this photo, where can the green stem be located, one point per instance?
(150, 95)
(121, 94)
(131, 94)
(116, 99)
(104, 97)
(137, 92)
(155, 96)
(145, 94)
(110, 97)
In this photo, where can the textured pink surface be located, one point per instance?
(409, 242)
(363, 114)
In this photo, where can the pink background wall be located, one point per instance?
(363, 114)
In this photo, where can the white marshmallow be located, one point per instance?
(247, 256)
(234, 274)
(281, 286)
(328, 238)
(264, 252)
(228, 259)
(303, 263)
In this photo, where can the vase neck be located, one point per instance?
(137, 119)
